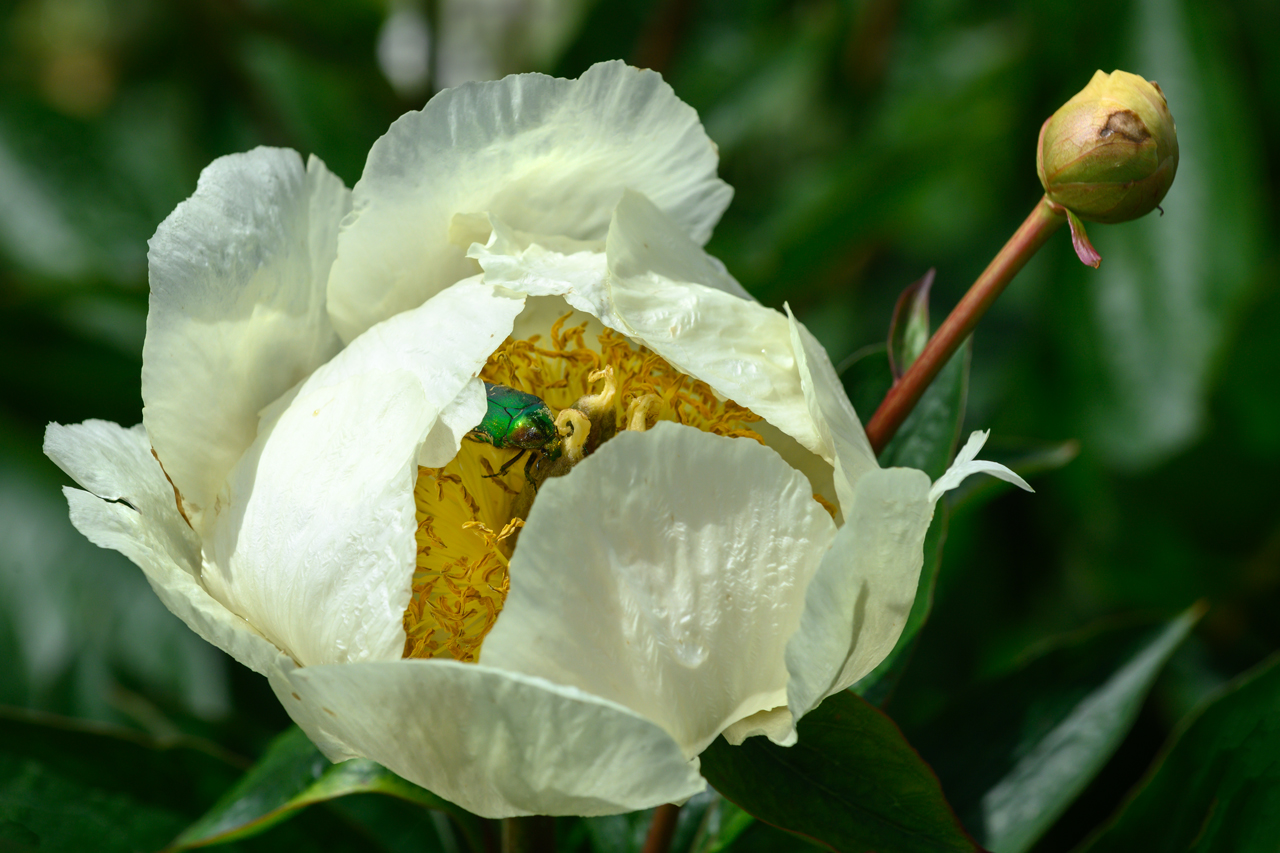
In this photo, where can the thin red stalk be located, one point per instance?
(906, 392)
(661, 829)
(532, 834)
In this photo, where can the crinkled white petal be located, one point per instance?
(857, 603)
(547, 156)
(665, 573)
(313, 537)
(579, 278)
(843, 441)
(131, 508)
(499, 744)
(967, 463)
(238, 275)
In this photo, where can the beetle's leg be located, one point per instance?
(530, 469)
(506, 466)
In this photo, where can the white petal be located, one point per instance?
(496, 743)
(665, 573)
(540, 312)
(547, 156)
(315, 544)
(131, 508)
(844, 442)
(580, 278)
(444, 342)
(967, 463)
(776, 724)
(238, 279)
(857, 603)
(645, 242)
(455, 421)
(673, 303)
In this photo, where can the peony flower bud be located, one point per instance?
(1109, 154)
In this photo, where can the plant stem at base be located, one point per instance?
(661, 829)
(533, 834)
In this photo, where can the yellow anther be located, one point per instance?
(639, 409)
(576, 429)
(595, 405)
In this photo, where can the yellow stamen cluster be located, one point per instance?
(467, 524)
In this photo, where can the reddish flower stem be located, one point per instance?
(533, 834)
(661, 829)
(906, 392)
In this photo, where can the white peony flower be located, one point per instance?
(302, 491)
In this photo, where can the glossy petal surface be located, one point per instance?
(315, 547)
(665, 573)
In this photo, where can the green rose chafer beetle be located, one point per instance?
(522, 421)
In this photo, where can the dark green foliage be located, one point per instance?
(1217, 788)
(852, 783)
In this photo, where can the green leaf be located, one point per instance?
(852, 782)
(292, 775)
(66, 785)
(721, 825)
(909, 328)
(1015, 754)
(1217, 786)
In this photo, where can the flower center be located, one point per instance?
(470, 515)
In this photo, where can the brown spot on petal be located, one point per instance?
(1125, 123)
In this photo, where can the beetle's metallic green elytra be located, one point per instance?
(518, 420)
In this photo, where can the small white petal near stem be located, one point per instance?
(967, 464)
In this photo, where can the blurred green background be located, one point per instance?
(866, 141)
